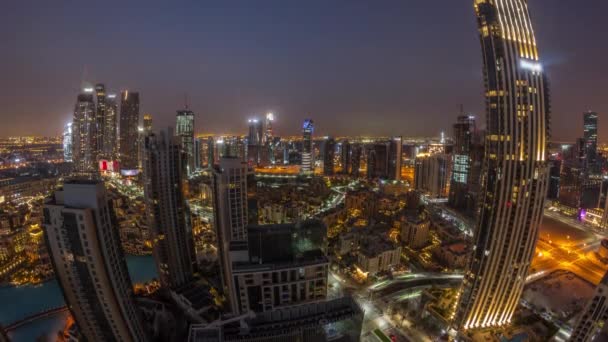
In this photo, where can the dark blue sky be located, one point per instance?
(356, 67)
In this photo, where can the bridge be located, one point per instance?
(29, 319)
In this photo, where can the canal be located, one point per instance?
(20, 302)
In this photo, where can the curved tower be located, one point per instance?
(514, 177)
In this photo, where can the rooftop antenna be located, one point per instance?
(461, 109)
(186, 100)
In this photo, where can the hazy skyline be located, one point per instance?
(355, 67)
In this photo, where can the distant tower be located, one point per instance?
(329, 151)
(515, 172)
(166, 208)
(269, 121)
(100, 97)
(464, 134)
(147, 123)
(590, 140)
(185, 130)
(67, 142)
(82, 238)
(110, 138)
(308, 162)
(345, 157)
(395, 155)
(230, 209)
(129, 133)
(84, 133)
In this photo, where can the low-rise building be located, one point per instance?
(377, 254)
(453, 255)
(415, 229)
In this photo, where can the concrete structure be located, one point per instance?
(336, 320)
(82, 239)
(167, 211)
(287, 266)
(594, 315)
(515, 176)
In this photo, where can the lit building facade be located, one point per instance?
(84, 133)
(515, 174)
(129, 133)
(432, 174)
(67, 142)
(82, 238)
(308, 158)
(185, 130)
(166, 208)
(110, 135)
(464, 131)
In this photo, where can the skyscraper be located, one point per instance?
(464, 131)
(345, 157)
(82, 238)
(590, 138)
(329, 151)
(129, 134)
(67, 142)
(110, 136)
(514, 178)
(395, 158)
(268, 135)
(378, 160)
(230, 209)
(166, 208)
(100, 97)
(84, 133)
(255, 132)
(308, 159)
(185, 130)
(147, 123)
(355, 160)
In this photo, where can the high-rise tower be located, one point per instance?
(84, 133)
(464, 133)
(230, 209)
(67, 142)
(329, 151)
(100, 97)
(308, 160)
(110, 136)
(590, 139)
(515, 173)
(82, 238)
(166, 208)
(594, 315)
(129, 120)
(185, 130)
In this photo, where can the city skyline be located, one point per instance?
(282, 75)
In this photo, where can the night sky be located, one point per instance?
(385, 67)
